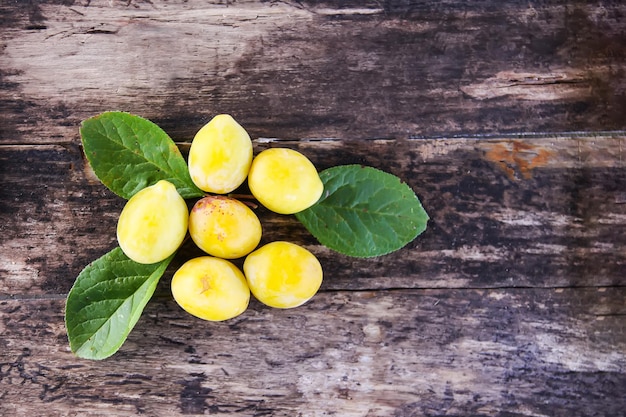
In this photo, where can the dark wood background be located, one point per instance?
(508, 119)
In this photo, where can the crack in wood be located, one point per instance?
(568, 84)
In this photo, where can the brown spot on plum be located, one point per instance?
(206, 284)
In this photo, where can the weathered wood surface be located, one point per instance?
(513, 352)
(504, 213)
(506, 119)
(294, 69)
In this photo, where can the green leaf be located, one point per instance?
(106, 301)
(129, 153)
(364, 212)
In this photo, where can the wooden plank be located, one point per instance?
(386, 353)
(392, 70)
(54, 214)
(539, 212)
(512, 303)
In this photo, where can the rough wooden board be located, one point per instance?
(464, 321)
(394, 69)
(386, 353)
(540, 212)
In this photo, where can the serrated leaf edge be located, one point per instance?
(358, 254)
(194, 191)
(84, 351)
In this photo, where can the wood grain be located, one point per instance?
(385, 353)
(394, 69)
(506, 118)
(542, 212)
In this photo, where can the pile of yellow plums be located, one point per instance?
(155, 221)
